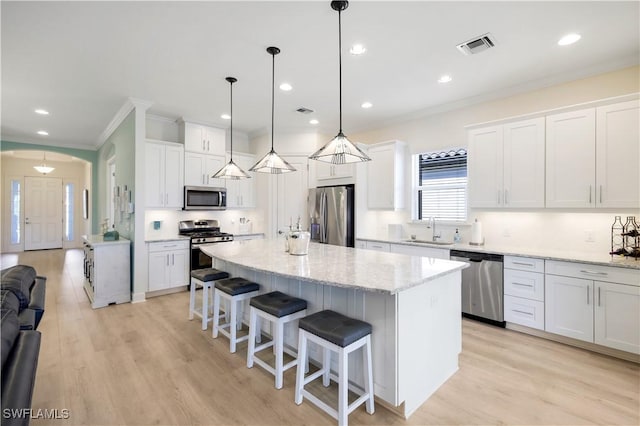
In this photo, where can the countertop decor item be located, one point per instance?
(231, 169)
(617, 240)
(476, 234)
(272, 162)
(340, 150)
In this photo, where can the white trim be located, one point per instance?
(138, 297)
(129, 105)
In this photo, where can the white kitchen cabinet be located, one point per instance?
(376, 245)
(385, 176)
(524, 291)
(361, 244)
(327, 173)
(506, 165)
(241, 193)
(168, 264)
(164, 175)
(617, 155)
(423, 251)
(107, 271)
(202, 139)
(199, 169)
(594, 303)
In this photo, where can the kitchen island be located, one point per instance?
(412, 302)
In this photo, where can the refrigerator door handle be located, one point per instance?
(323, 217)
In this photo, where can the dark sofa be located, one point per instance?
(22, 297)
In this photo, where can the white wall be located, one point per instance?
(543, 228)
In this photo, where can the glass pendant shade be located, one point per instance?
(272, 162)
(43, 168)
(231, 169)
(340, 150)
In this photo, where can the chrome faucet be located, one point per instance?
(432, 225)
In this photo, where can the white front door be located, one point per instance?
(42, 213)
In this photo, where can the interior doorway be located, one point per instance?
(43, 207)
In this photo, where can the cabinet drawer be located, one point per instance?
(529, 313)
(594, 272)
(168, 245)
(524, 264)
(373, 245)
(525, 284)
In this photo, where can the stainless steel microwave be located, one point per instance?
(204, 198)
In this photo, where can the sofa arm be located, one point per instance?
(18, 378)
(37, 298)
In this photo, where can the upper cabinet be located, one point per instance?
(506, 165)
(592, 157)
(202, 139)
(241, 193)
(385, 176)
(164, 171)
(324, 174)
(200, 167)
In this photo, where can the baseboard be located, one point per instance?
(167, 291)
(138, 298)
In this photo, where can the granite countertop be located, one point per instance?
(567, 256)
(162, 238)
(99, 240)
(337, 266)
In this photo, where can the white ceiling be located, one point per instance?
(82, 60)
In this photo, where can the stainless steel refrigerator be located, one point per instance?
(331, 211)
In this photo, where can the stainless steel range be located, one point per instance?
(206, 231)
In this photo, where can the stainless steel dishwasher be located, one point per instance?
(482, 286)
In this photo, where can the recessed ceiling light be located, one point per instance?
(313, 121)
(366, 105)
(286, 87)
(225, 117)
(444, 79)
(43, 133)
(42, 112)
(569, 39)
(357, 49)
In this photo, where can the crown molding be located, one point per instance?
(129, 105)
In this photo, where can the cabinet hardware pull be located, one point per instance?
(515, 262)
(600, 194)
(172, 245)
(208, 146)
(586, 271)
(589, 194)
(599, 295)
(203, 142)
(173, 260)
(523, 285)
(167, 260)
(588, 294)
(523, 312)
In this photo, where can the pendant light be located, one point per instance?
(231, 169)
(272, 162)
(340, 150)
(43, 168)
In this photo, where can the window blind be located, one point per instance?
(442, 185)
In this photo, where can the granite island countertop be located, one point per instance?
(335, 265)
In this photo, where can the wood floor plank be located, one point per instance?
(146, 363)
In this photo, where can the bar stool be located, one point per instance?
(343, 335)
(234, 290)
(203, 277)
(280, 309)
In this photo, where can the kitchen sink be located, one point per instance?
(435, 243)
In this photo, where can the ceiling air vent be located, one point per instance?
(303, 110)
(477, 44)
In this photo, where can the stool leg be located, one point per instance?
(278, 335)
(192, 298)
(216, 312)
(326, 366)
(302, 361)
(205, 304)
(232, 327)
(239, 315)
(368, 375)
(343, 388)
(252, 336)
(258, 330)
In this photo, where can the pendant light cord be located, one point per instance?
(273, 85)
(340, 62)
(231, 124)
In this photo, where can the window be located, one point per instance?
(68, 211)
(442, 185)
(15, 212)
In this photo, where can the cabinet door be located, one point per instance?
(158, 264)
(194, 169)
(617, 154)
(617, 316)
(241, 192)
(174, 176)
(154, 173)
(485, 169)
(569, 307)
(178, 272)
(381, 184)
(193, 138)
(214, 140)
(524, 163)
(213, 163)
(571, 162)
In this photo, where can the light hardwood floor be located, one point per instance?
(147, 364)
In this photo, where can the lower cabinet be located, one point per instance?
(580, 304)
(432, 252)
(524, 291)
(168, 264)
